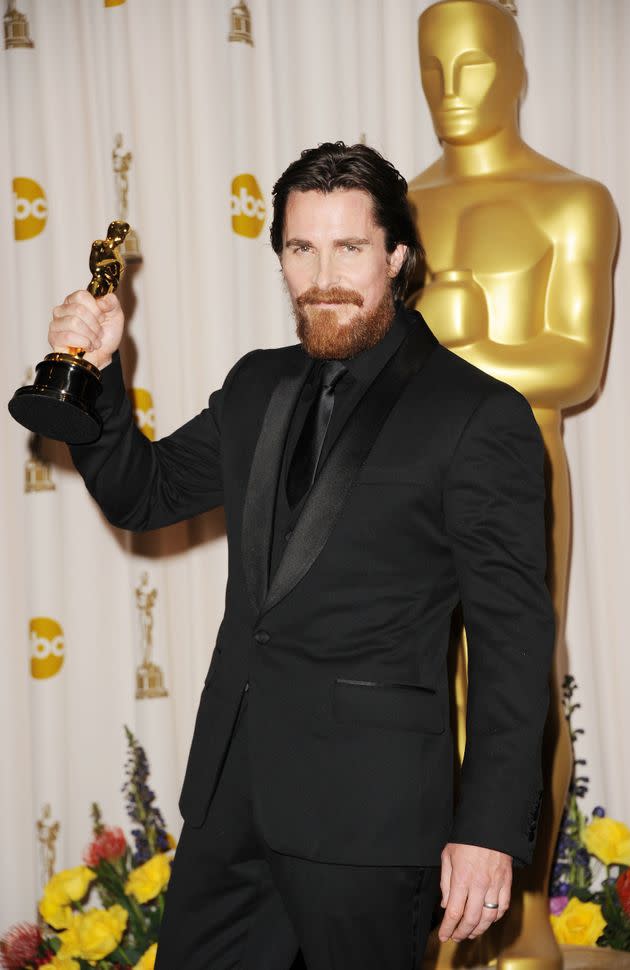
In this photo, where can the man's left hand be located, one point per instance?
(472, 876)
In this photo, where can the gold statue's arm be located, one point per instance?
(572, 345)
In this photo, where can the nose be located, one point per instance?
(449, 81)
(324, 271)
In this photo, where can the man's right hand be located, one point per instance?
(93, 325)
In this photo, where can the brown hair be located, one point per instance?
(335, 165)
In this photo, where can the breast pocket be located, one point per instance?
(402, 706)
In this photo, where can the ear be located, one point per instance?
(396, 260)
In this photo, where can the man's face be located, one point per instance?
(472, 73)
(337, 271)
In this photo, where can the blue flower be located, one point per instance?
(599, 812)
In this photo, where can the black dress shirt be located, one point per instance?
(349, 390)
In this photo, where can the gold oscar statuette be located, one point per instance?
(519, 260)
(60, 402)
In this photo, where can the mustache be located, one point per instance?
(335, 294)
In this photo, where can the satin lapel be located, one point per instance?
(260, 496)
(345, 458)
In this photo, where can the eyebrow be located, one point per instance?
(349, 241)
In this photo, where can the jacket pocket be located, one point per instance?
(392, 475)
(402, 706)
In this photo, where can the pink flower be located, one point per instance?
(19, 946)
(110, 844)
(557, 904)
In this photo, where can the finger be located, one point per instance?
(498, 892)
(505, 894)
(108, 303)
(445, 878)
(488, 917)
(472, 914)
(73, 316)
(60, 341)
(84, 298)
(454, 911)
(92, 316)
(70, 335)
(71, 331)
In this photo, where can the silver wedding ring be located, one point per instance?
(491, 905)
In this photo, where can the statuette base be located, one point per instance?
(60, 402)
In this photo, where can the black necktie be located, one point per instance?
(303, 465)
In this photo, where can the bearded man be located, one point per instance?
(372, 481)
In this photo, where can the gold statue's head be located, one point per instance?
(471, 63)
(116, 232)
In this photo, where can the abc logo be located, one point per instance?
(31, 208)
(247, 206)
(144, 411)
(47, 647)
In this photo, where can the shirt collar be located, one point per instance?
(365, 366)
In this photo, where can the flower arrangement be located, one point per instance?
(589, 851)
(121, 933)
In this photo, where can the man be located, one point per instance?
(371, 481)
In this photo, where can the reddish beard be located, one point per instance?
(321, 334)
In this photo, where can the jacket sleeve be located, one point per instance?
(140, 484)
(494, 503)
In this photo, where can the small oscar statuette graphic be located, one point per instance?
(37, 471)
(121, 163)
(240, 24)
(47, 833)
(60, 402)
(16, 30)
(149, 677)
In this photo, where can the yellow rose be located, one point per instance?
(147, 960)
(95, 934)
(608, 840)
(71, 883)
(61, 963)
(57, 914)
(580, 923)
(148, 880)
(69, 939)
(65, 887)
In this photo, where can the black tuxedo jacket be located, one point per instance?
(432, 494)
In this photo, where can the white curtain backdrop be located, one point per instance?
(197, 112)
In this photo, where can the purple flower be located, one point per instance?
(557, 904)
(149, 834)
(582, 857)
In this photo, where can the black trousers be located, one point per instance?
(235, 903)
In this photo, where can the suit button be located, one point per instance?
(261, 636)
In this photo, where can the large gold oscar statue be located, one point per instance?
(519, 283)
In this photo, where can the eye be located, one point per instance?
(301, 249)
(351, 248)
